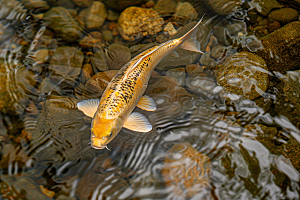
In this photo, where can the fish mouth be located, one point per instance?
(98, 148)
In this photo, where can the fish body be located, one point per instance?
(125, 92)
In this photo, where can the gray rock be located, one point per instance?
(187, 57)
(99, 61)
(203, 86)
(65, 67)
(179, 74)
(217, 52)
(221, 33)
(63, 24)
(207, 61)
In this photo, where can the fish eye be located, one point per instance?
(110, 134)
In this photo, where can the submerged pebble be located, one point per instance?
(283, 15)
(95, 16)
(279, 48)
(184, 12)
(135, 22)
(187, 170)
(243, 74)
(179, 74)
(63, 24)
(265, 6)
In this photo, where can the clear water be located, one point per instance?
(201, 146)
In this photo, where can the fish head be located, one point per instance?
(103, 131)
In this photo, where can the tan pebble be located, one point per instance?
(88, 68)
(150, 4)
(184, 12)
(115, 31)
(170, 29)
(47, 192)
(194, 69)
(112, 25)
(135, 22)
(112, 16)
(274, 26)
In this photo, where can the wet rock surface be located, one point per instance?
(95, 15)
(63, 24)
(244, 74)
(56, 53)
(187, 170)
(279, 48)
(265, 6)
(135, 22)
(283, 15)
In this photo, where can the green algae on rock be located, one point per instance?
(243, 74)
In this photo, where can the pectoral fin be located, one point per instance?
(174, 54)
(88, 107)
(146, 103)
(191, 45)
(137, 122)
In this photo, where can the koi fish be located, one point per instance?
(125, 92)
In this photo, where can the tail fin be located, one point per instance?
(189, 40)
(193, 31)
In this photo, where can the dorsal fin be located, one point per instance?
(138, 61)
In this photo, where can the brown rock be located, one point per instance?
(265, 6)
(112, 16)
(279, 48)
(117, 5)
(135, 22)
(96, 85)
(83, 3)
(150, 4)
(40, 56)
(63, 24)
(179, 74)
(35, 4)
(96, 15)
(243, 74)
(274, 26)
(283, 15)
(165, 7)
(117, 56)
(194, 69)
(184, 12)
(223, 7)
(187, 170)
(170, 29)
(90, 41)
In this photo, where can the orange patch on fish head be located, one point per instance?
(103, 131)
